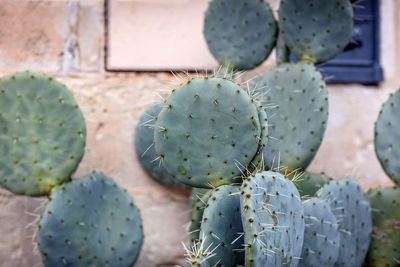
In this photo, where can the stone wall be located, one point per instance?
(66, 39)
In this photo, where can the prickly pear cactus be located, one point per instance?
(90, 222)
(240, 34)
(146, 153)
(197, 215)
(387, 136)
(208, 132)
(299, 120)
(272, 216)
(309, 183)
(321, 235)
(42, 133)
(222, 226)
(316, 30)
(353, 213)
(385, 243)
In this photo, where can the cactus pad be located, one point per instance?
(258, 158)
(146, 153)
(353, 213)
(90, 222)
(272, 216)
(208, 132)
(309, 183)
(42, 133)
(240, 34)
(297, 124)
(387, 136)
(222, 227)
(321, 235)
(197, 214)
(385, 243)
(316, 30)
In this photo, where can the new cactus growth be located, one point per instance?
(385, 243)
(198, 255)
(240, 34)
(316, 30)
(145, 151)
(90, 222)
(43, 133)
(353, 213)
(301, 98)
(222, 227)
(321, 235)
(208, 132)
(309, 183)
(272, 216)
(387, 136)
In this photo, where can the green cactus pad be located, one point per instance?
(258, 158)
(240, 34)
(222, 227)
(272, 217)
(385, 243)
(197, 215)
(316, 30)
(353, 213)
(208, 132)
(309, 183)
(42, 133)
(321, 235)
(387, 137)
(90, 222)
(297, 124)
(146, 153)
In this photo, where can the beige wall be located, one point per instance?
(66, 39)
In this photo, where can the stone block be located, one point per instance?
(32, 34)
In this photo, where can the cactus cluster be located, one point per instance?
(241, 148)
(87, 222)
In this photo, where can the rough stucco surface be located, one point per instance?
(112, 104)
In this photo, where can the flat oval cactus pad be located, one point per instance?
(208, 132)
(42, 133)
(387, 137)
(240, 34)
(145, 151)
(316, 30)
(298, 123)
(90, 222)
